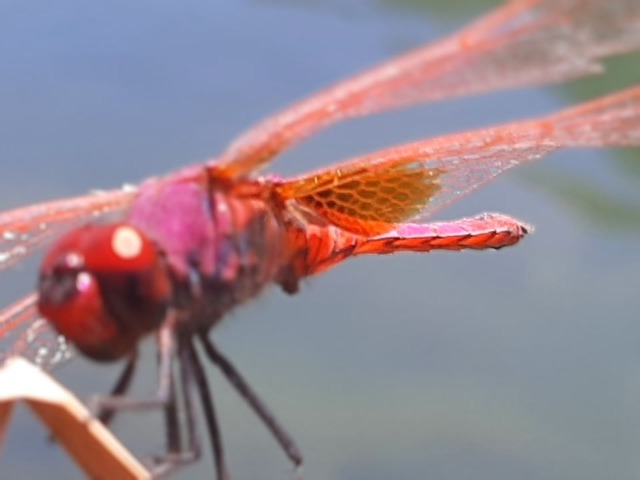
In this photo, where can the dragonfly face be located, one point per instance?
(104, 287)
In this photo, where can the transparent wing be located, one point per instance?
(23, 332)
(524, 42)
(25, 230)
(370, 194)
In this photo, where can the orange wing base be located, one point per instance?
(96, 451)
(364, 199)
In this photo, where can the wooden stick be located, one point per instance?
(87, 440)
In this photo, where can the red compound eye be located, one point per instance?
(104, 287)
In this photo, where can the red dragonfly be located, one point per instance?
(172, 256)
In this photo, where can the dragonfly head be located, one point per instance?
(104, 287)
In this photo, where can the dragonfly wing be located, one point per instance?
(369, 194)
(364, 200)
(524, 42)
(25, 230)
(25, 333)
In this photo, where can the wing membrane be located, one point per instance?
(25, 333)
(456, 164)
(25, 230)
(524, 42)
(367, 203)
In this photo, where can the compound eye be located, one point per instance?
(61, 280)
(104, 287)
(71, 300)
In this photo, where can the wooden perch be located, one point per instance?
(93, 447)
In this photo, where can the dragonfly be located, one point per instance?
(170, 257)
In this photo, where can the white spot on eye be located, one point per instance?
(83, 282)
(73, 260)
(126, 242)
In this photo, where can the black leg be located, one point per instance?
(187, 384)
(251, 397)
(165, 398)
(192, 362)
(106, 415)
(172, 422)
(166, 348)
(102, 411)
(177, 454)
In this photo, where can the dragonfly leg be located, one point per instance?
(178, 455)
(172, 423)
(165, 398)
(255, 402)
(104, 414)
(166, 347)
(194, 375)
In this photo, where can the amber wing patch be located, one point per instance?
(363, 200)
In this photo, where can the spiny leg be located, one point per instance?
(186, 386)
(255, 402)
(172, 422)
(162, 466)
(106, 415)
(166, 347)
(100, 410)
(165, 398)
(107, 406)
(192, 362)
(178, 455)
